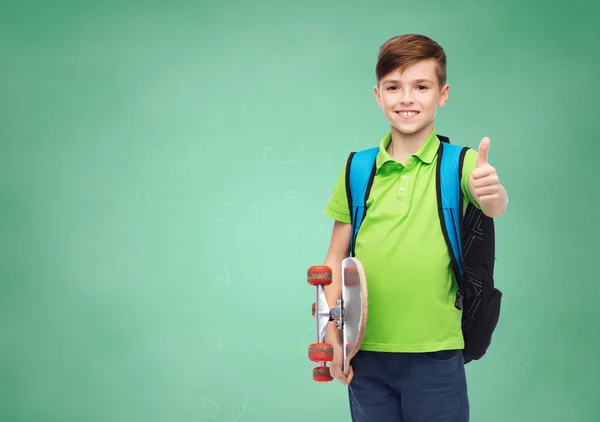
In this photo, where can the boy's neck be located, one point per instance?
(403, 146)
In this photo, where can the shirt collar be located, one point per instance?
(426, 153)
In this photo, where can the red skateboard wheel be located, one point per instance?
(320, 352)
(314, 308)
(321, 374)
(319, 274)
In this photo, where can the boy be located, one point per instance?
(410, 367)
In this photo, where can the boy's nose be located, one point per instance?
(406, 99)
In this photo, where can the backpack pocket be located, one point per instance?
(478, 332)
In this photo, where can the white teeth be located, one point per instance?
(408, 113)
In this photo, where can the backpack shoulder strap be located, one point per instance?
(450, 199)
(360, 171)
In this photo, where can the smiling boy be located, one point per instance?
(410, 367)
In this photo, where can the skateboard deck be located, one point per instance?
(355, 300)
(349, 314)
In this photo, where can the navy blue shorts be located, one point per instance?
(409, 387)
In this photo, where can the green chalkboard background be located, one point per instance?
(164, 169)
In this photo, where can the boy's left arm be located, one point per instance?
(484, 184)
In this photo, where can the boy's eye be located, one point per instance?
(391, 88)
(422, 87)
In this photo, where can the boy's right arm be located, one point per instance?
(339, 248)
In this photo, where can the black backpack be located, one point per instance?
(472, 252)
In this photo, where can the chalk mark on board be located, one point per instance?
(324, 231)
(241, 409)
(210, 413)
(266, 149)
(291, 197)
(300, 156)
(197, 158)
(224, 277)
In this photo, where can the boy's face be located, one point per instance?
(409, 100)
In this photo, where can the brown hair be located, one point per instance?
(405, 50)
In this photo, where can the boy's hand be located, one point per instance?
(336, 366)
(485, 182)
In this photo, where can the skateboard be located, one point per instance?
(350, 314)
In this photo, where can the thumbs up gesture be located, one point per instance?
(485, 185)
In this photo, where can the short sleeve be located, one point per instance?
(337, 205)
(468, 167)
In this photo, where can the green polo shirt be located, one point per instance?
(401, 246)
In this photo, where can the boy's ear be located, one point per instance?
(444, 95)
(377, 96)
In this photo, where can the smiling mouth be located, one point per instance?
(407, 114)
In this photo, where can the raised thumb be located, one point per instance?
(482, 154)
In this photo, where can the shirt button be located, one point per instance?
(402, 188)
(405, 177)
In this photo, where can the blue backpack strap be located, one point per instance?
(450, 199)
(360, 171)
